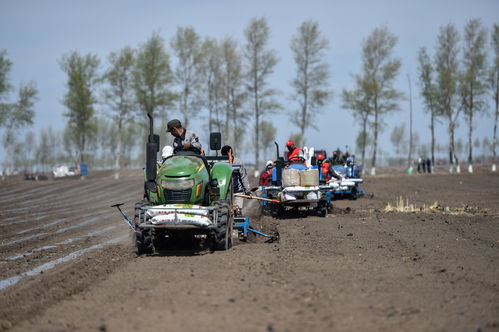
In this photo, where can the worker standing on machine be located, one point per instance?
(240, 181)
(266, 176)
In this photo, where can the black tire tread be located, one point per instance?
(222, 234)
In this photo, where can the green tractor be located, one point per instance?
(188, 197)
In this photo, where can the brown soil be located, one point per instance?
(360, 268)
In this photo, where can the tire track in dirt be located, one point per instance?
(356, 271)
(5, 283)
(71, 194)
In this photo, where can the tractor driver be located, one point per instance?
(184, 139)
(293, 153)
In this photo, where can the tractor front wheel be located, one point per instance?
(143, 242)
(222, 235)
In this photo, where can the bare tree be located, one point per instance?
(212, 81)
(260, 63)
(80, 96)
(361, 142)
(493, 80)
(429, 93)
(312, 74)
(374, 93)
(268, 136)
(153, 77)
(447, 68)
(397, 138)
(409, 156)
(14, 115)
(233, 93)
(119, 95)
(188, 49)
(472, 85)
(46, 149)
(359, 101)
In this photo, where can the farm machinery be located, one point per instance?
(187, 196)
(304, 187)
(349, 186)
(295, 187)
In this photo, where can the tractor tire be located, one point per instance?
(322, 210)
(222, 235)
(354, 195)
(143, 237)
(143, 242)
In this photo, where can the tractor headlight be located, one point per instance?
(177, 184)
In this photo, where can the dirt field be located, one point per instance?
(67, 264)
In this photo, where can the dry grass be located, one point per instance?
(405, 207)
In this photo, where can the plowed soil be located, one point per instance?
(67, 262)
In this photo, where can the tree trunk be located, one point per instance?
(117, 161)
(82, 149)
(494, 139)
(470, 138)
(409, 157)
(375, 138)
(470, 129)
(451, 142)
(452, 147)
(432, 128)
(210, 124)
(257, 127)
(7, 155)
(364, 128)
(302, 126)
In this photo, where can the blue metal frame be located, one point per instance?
(242, 224)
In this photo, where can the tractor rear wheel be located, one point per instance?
(222, 235)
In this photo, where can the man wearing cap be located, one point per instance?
(184, 139)
(293, 153)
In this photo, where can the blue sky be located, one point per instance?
(37, 33)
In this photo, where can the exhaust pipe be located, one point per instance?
(152, 150)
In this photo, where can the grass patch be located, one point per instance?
(404, 206)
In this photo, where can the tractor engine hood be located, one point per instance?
(180, 166)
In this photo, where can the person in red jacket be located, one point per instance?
(266, 176)
(324, 165)
(293, 154)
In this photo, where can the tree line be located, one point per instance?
(456, 79)
(229, 86)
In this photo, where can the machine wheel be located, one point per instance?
(354, 195)
(143, 242)
(222, 235)
(322, 210)
(275, 210)
(143, 237)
